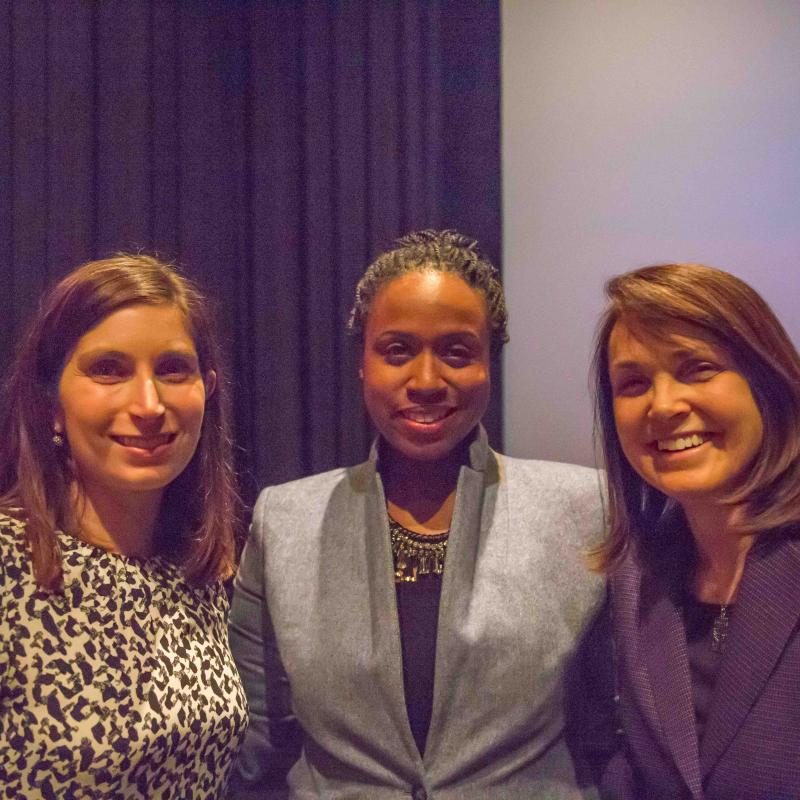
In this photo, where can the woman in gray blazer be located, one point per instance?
(402, 626)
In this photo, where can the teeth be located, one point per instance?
(425, 417)
(144, 442)
(681, 442)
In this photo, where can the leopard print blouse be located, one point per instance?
(122, 687)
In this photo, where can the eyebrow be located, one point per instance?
(624, 365)
(103, 352)
(404, 334)
(181, 353)
(679, 352)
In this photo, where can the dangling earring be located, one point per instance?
(58, 439)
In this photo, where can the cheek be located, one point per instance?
(193, 421)
(627, 423)
(475, 379)
(196, 421)
(752, 430)
(84, 419)
(482, 378)
(376, 384)
(738, 412)
(90, 404)
(188, 401)
(375, 403)
(480, 390)
(623, 421)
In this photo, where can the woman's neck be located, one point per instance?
(421, 495)
(124, 525)
(721, 551)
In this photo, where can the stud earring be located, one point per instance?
(58, 439)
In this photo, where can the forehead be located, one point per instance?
(141, 325)
(633, 341)
(429, 298)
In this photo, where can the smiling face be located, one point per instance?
(426, 363)
(686, 418)
(131, 401)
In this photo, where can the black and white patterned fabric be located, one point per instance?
(122, 687)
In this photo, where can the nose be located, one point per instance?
(668, 399)
(145, 400)
(425, 382)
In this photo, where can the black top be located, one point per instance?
(418, 611)
(704, 661)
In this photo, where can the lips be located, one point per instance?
(426, 415)
(145, 442)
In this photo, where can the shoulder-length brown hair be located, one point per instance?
(734, 317)
(200, 509)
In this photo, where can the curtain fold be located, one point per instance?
(273, 149)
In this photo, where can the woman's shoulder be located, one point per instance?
(550, 474)
(313, 489)
(16, 569)
(12, 537)
(564, 501)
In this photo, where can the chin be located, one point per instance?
(685, 492)
(146, 483)
(428, 456)
(426, 453)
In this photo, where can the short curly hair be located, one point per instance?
(443, 251)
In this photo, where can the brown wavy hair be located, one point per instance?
(200, 509)
(730, 314)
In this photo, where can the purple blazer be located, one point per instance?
(751, 746)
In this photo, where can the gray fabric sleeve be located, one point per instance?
(274, 738)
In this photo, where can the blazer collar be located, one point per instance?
(663, 644)
(471, 514)
(766, 614)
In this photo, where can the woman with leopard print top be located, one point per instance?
(117, 510)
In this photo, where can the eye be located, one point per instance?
(630, 385)
(108, 370)
(396, 353)
(458, 356)
(699, 370)
(176, 369)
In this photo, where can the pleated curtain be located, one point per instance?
(272, 149)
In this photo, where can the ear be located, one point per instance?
(58, 422)
(210, 381)
(361, 373)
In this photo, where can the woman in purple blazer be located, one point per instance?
(698, 409)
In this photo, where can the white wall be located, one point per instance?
(637, 132)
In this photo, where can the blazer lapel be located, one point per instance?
(384, 621)
(766, 613)
(456, 592)
(462, 552)
(663, 647)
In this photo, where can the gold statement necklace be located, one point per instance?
(416, 554)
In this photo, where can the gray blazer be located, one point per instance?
(315, 633)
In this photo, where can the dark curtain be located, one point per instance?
(273, 149)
